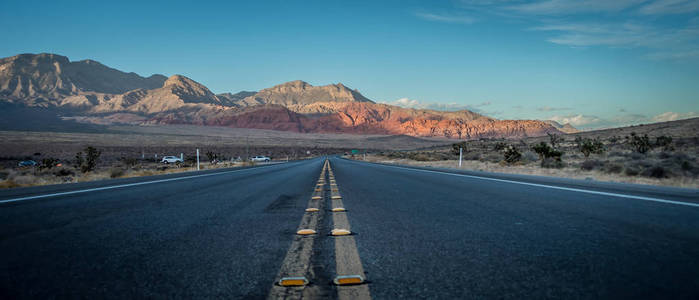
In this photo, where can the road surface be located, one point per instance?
(416, 233)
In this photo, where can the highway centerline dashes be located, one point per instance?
(295, 270)
(296, 277)
(348, 265)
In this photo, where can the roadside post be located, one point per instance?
(197, 159)
(182, 156)
(461, 155)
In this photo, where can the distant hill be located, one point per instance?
(566, 128)
(44, 79)
(90, 92)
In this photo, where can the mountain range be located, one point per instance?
(90, 92)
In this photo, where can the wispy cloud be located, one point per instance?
(562, 7)
(636, 24)
(445, 18)
(594, 122)
(661, 42)
(673, 116)
(417, 104)
(578, 120)
(670, 7)
(549, 108)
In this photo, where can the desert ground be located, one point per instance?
(669, 159)
(127, 151)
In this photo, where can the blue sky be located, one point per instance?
(593, 63)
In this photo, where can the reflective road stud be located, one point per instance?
(293, 281)
(311, 209)
(348, 280)
(336, 197)
(317, 197)
(337, 232)
(306, 232)
(338, 209)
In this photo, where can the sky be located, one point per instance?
(591, 63)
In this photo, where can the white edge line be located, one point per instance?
(551, 186)
(129, 184)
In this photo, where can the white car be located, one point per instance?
(260, 158)
(171, 160)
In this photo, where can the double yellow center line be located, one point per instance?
(295, 273)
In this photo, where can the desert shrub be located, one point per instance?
(616, 153)
(88, 161)
(472, 156)
(491, 157)
(686, 166)
(212, 156)
(455, 148)
(129, 161)
(116, 172)
(4, 175)
(614, 139)
(631, 171)
(529, 156)
(425, 156)
(637, 156)
(614, 168)
(7, 184)
(63, 172)
(640, 144)
(499, 146)
(48, 163)
(588, 146)
(555, 140)
(549, 156)
(590, 165)
(656, 172)
(665, 142)
(512, 155)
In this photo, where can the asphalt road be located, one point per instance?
(419, 234)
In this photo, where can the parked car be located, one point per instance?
(27, 163)
(171, 160)
(260, 158)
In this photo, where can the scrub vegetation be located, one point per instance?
(661, 154)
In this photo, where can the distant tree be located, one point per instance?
(87, 162)
(499, 146)
(455, 148)
(511, 154)
(48, 163)
(555, 140)
(588, 146)
(547, 153)
(665, 142)
(640, 144)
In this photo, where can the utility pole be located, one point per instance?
(197, 159)
(461, 155)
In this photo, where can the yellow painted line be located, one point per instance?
(293, 281)
(348, 265)
(306, 232)
(340, 232)
(348, 280)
